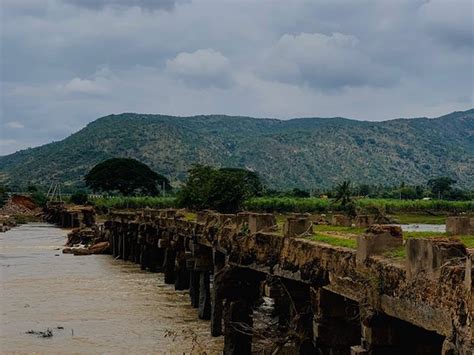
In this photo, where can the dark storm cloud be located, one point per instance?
(66, 62)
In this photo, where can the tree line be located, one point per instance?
(226, 189)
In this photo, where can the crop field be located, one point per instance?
(319, 205)
(120, 202)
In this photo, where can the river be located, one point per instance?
(92, 304)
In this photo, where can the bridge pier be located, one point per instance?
(193, 283)
(217, 304)
(238, 327)
(336, 322)
(169, 265)
(301, 314)
(204, 295)
(382, 334)
(182, 273)
(240, 288)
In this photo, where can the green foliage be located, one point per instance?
(344, 193)
(312, 204)
(287, 204)
(441, 185)
(79, 198)
(32, 188)
(127, 176)
(224, 190)
(104, 204)
(394, 206)
(39, 198)
(299, 193)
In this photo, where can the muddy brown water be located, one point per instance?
(102, 305)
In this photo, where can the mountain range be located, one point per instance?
(304, 152)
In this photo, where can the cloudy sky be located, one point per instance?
(66, 62)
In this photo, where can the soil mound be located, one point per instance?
(24, 201)
(20, 205)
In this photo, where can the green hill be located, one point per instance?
(304, 152)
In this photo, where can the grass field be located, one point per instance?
(344, 236)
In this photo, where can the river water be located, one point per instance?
(92, 304)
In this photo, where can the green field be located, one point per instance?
(365, 205)
(120, 202)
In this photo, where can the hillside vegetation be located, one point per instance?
(304, 153)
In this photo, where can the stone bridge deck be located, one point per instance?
(334, 300)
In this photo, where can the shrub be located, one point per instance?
(79, 198)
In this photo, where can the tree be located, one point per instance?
(127, 176)
(344, 193)
(364, 190)
(221, 189)
(440, 185)
(296, 192)
(79, 198)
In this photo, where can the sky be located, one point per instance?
(65, 63)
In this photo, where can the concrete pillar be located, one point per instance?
(427, 256)
(382, 334)
(120, 244)
(126, 245)
(336, 322)
(194, 288)
(301, 313)
(297, 226)
(274, 289)
(460, 225)
(144, 258)
(239, 322)
(364, 221)
(115, 243)
(261, 222)
(204, 295)
(169, 265)
(341, 220)
(216, 301)
(182, 273)
(377, 240)
(155, 258)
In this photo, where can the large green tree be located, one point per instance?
(441, 185)
(126, 176)
(223, 190)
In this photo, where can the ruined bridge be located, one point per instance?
(328, 299)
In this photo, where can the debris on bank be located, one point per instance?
(86, 241)
(18, 209)
(48, 333)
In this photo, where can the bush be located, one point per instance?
(79, 198)
(39, 198)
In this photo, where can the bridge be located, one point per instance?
(327, 299)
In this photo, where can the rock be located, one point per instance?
(81, 251)
(100, 248)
